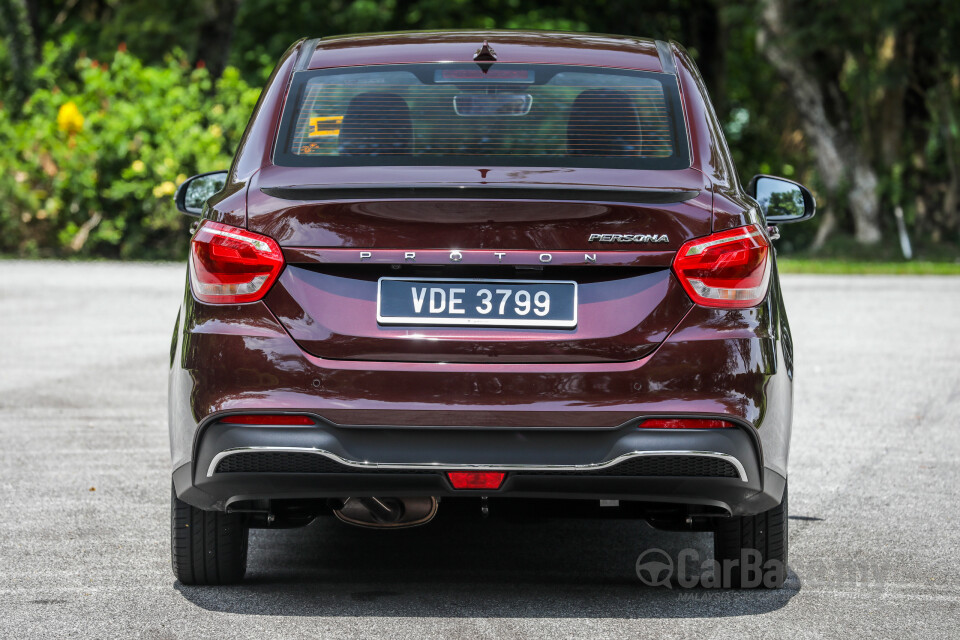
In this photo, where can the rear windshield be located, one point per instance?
(468, 114)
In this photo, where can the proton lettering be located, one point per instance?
(484, 257)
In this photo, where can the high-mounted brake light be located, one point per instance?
(729, 269)
(685, 423)
(476, 479)
(260, 419)
(230, 265)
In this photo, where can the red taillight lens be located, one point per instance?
(229, 265)
(268, 420)
(476, 479)
(685, 423)
(729, 269)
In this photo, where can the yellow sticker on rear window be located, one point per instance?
(324, 126)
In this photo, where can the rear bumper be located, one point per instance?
(717, 468)
(421, 419)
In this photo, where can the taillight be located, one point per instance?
(476, 479)
(261, 419)
(685, 423)
(229, 265)
(729, 269)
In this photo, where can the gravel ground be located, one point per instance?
(84, 483)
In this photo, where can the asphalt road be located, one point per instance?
(84, 490)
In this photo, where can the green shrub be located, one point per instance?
(90, 167)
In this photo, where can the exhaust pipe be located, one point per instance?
(387, 513)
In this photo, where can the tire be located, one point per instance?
(207, 547)
(744, 544)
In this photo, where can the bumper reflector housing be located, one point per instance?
(685, 423)
(269, 420)
(476, 479)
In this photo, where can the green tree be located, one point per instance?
(875, 87)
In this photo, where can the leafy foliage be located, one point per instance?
(100, 150)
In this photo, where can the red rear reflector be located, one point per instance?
(476, 479)
(729, 269)
(685, 423)
(230, 265)
(270, 420)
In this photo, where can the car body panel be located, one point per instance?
(331, 313)
(642, 348)
(335, 317)
(510, 46)
(715, 362)
(526, 221)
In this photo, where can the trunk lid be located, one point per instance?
(342, 229)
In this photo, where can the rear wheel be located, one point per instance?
(751, 551)
(207, 547)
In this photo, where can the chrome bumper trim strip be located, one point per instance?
(443, 466)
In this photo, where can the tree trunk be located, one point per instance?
(892, 118)
(33, 19)
(948, 124)
(841, 164)
(21, 49)
(216, 34)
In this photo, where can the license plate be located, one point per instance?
(494, 303)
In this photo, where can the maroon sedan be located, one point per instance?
(482, 273)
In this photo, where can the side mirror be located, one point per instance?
(194, 192)
(782, 201)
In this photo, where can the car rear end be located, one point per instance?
(500, 286)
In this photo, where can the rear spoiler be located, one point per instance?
(574, 193)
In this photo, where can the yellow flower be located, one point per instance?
(164, 189)
(216, 130)
(138, 166)
(69, 118)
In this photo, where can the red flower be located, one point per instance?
(122, 47)
(201, 64)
